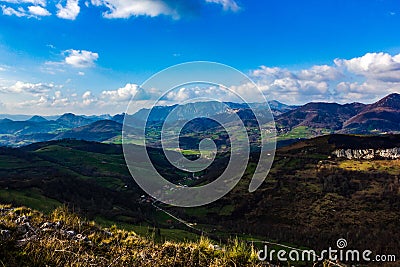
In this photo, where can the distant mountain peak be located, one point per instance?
(390, 101)
(381, 116)
(97, 131)
(6, 120)
(72, 120)
(68, 115)
(397, 95)
(37, 118)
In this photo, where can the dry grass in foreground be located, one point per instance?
(29, 238)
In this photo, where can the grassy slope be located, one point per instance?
(311, 199)
(306, 200)
(40, 175)
(29, 197)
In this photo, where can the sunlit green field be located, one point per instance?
(389, 166)
(303, 132)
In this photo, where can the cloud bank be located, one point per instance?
(364, 79)
(35, 11)
(361, 79)
(114, 9)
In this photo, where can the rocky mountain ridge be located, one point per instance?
(388, 153)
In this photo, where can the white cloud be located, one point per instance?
(9, 11)
(265, 72)
(80, 58)
(30, 88)
(320, 73)
(49, 103)
(38, 11)
(88, 98)
(370, 76)
(295, 86)
(315, 73)
(19, 2)
(35, 11)
(379, 66)
(49, 98)
(43, 100)
(56, 101)
(122, 94)
(129, 8)
(59, 100)
(81, 73)
(182, 94)
(367, 91)
(305, 87)
(33, 98)
(200, 93)
(152, 8)
(87, 95)
(227, 5)
(69, 11)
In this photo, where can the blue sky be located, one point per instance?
(71, 55)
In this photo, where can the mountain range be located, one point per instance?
(357, 118)
(292, 122)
